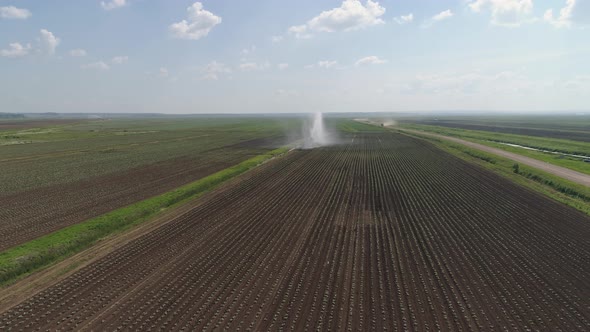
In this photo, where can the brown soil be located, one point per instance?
(27, 124)
(387, 232)
(566, 173)
(29, 214)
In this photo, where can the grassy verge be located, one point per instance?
(564, 191)
(20, 261)
(351, 126)
(548, 144)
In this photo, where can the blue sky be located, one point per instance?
(227, 56)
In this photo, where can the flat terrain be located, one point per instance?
(25, 124)
(571, 175)
(380, 232)
(576, 128)
(69, 175)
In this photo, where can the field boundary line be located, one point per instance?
(562, 172)
(71, 243)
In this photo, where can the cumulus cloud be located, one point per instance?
(276, 39)
(443, 15)
(119, 60)
(253, 66)
(15, 50)
(214, 70)
(100, 65)
(11, 12)
(283, 66)
(198, 24)
(163, 72)
(370, 60)
(574, 12)
(78, 52)
(49, 42)
(351, 15)
(510, 13)
(113, 4)
(327, 64)
(404, 19)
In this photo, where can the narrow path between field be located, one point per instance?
(562, 172)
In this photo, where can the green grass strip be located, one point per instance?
(24, 259)
(559, 189)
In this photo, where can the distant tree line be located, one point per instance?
(11, 116)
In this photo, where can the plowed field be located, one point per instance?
(379, 232)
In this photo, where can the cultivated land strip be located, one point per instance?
(18, 292)
(29, 214)
(383, 231)
(571, 175)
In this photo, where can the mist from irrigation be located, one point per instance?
(314, 132)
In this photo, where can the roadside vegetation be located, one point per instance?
(350, 126)
(567, 192)
(549, 144)
(26, 258)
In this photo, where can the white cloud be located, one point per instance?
(249, 50)
(581, 12)
(404, 19)
(253, 66)
(78, 52)
(15, 50)
(100, 65)
(351, 15)
(443, 15)
(199, 23)
(119, 60)
(113, 4)
(163, 72)
(214, 70)
(510, 13)
(325, 64)
(370, 60)
(49, 41)
(276, 39)
(300, 32)
(283, 66)
(11, 12)
(328, 64)
(574, 12)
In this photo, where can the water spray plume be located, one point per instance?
(315, 132)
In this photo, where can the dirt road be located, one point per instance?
(562, 172)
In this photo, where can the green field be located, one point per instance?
(564, 191)
(33, 255)
(38, 157)
(543, 143)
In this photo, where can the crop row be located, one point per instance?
(380, 232)
(33, 213)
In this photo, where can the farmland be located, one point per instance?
(380, 231)
(56, 176)
(561, 152)
(568, 127)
